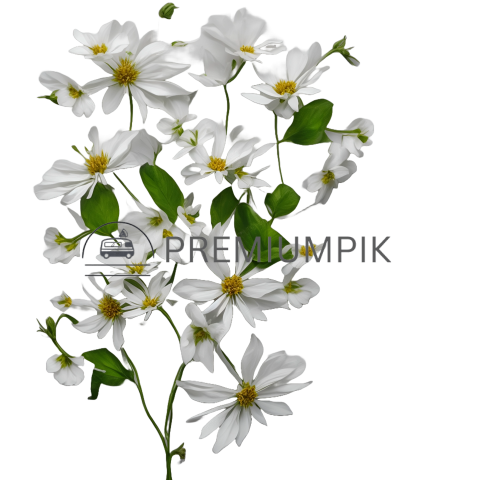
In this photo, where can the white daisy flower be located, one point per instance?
(192, 139)
(66, 370)
(72, 181)
(272, 380)
(63, 302)
(302, 257)
(177, 107)
(241, 154)
(239, 35)
(110, 39)
(69, 93)
(355, 136)
(299, 292)
(109, 314)
(281, 89)
(188, 215)
(142, 70)
(199, 338)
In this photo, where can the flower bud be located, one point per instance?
(167, 11)
(52, 97)
(181, 452)
(340, 44)
(351, 60)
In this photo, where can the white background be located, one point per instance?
(392, 349)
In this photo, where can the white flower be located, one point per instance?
(111, 38)
(299, 292)
(145, 300)
(360, 131)
(109, 314)
(145, 148)
(280, 91)
(272, 380)
(240, 35)
(72, 181)
(249, 180)
(241, 154)
(199, 338)
(63, 302)
(291, 268)
(131, 268)
(188, 215)
(250, 296)
(142, 70)
(216, 72)
(66, 370)
(192, 139)
(69, 93)
(177, 107)
(337, 169)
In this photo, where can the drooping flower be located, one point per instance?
(299, 292)
(109, 314)
(72, 181)
(141, 70)
(66, 370)
(112, 38)
(358, 136)
(199, 338)
(239, 36)
(69, 93)
(177, 107)
(248, 398)
(281, 91)
(63, 302)
(241, 154)
(188, 215)
(192, 139)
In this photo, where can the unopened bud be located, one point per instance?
(341, 43)
(351, 60)
(52, 97)
(167, 11)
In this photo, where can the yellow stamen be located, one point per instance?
(328, 177)
(110, 308)
(200, 334)
(156, 221)
(96, 49)
(247, 396)
(149, 302)
(285, 86)
(135, 268)
(64, 361)
(239, 172)
(292, 287)
(190, 219)
(167, 233)
(247, 48)
(97, 163)
(232, 285)
(303, 251)
(73, 92)
(217, 164)
(72, 246)
(126, 73)
(67, 301)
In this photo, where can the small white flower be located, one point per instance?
(72, 181)
(280, 91)
(199, 338)
(360, 131)
(145, 148)
(66, 370)
(272, 380)
(250, 180)
(188, 215)
(69, 93)
(177, 107)
(299, 292)
(192, 139)
(303, 256)
(63, 302)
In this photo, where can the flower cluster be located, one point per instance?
(140, 68)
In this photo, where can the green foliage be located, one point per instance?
(101, 208)
(167, 11)
(223, 205)
(282, 201)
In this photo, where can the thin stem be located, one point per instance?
(357, 130)
(333, 50)
(238, 71)
(171, 399)
(131, 107)
(126, 188)
(228, 108)
(167, 316)
(278, 147)
(61, 349)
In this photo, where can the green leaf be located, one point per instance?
(223, 205)
(99, 378)
(101, 208)
(282, 201)
(163, 189)
(249, 225)
(309, 123)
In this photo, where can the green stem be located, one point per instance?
(126, 188)
(79, 236)
(278, 147)
(171, 399)
(167, 316)
(238, 71)
(172, 277)
(228, 108)
(357, 130)
(60, 348)
(131, 107)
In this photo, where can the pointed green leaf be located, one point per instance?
(223, 205)
(282, 201)
(101, 208)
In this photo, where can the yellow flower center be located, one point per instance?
(110, 308)
(200, 335)
(156, 221)
(149, 302)
(96, 49)
(97, 163)
(135, 268)
(67, 301)
(190, 219)
(167, 233)
(74, 93)
(239, 172)
(292, 287)
(247, 48)
(126, 73)
(64, 361)
(247, 396)
(285, 86)
(217, 164)
(328, 177)
(59, 238)
(303, 251)
(232, 285)
(72, 246)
